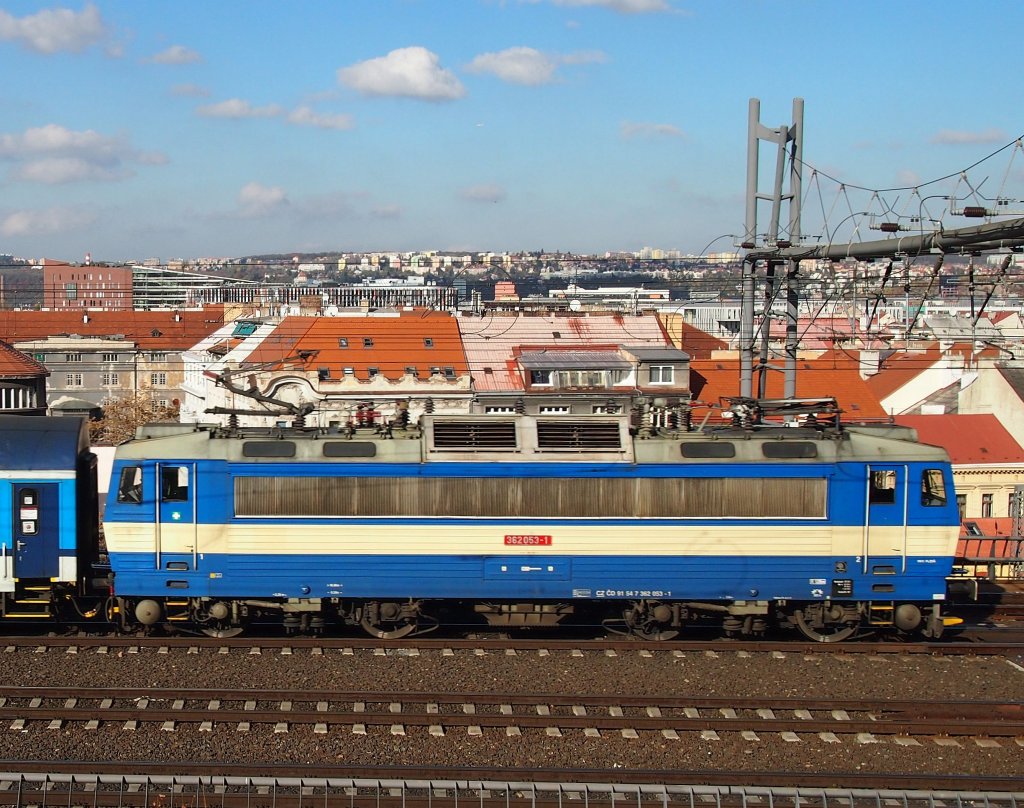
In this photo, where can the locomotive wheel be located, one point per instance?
(829, 631)
(388, 630)
(388, 621)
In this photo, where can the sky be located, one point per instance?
(136, 129)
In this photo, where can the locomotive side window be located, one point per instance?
(174, 484)
(129, 489)
(933, 488)
(883, 487)
(541, 497)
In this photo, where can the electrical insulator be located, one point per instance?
(889, 227)
(975, 212)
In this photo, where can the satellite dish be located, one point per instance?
(574, 305)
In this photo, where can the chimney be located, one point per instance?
(870, 363)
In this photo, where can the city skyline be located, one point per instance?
(188, 130)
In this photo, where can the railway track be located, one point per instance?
(145, 785)
(864, 721)
(491, 644)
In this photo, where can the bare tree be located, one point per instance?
(123, 414)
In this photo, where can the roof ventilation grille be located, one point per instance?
(470, 435)
(579, 435)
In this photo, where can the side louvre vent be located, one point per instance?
(578, 435)
(475, 435)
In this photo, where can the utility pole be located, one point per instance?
(788, 140)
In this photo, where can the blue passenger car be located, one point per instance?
(48, 522)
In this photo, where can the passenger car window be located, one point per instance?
(933, 488)
(129, 488)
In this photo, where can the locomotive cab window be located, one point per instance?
(174, 484)
(933, 488)
(883, 487)
(129, 488)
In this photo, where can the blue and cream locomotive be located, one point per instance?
(534, 521)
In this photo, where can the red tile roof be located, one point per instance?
(829, 377)
(967, 438)
(16, 365)
(422, 339)
(152, 330)
(900, 368)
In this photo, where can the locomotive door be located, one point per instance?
(885, 525)
(36, 530)
(176, 530)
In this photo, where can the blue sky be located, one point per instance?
(136, 129)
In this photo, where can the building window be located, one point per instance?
(1011, 507)
(71, 291)
(158, 356)
(110, 357)
(158, 379)
(428, 342)
(371, 372)
(40, 357)
(554, 410)
(499, 410)
(411, 371)
(961, 505)
(449, 373)
(367, 342)
(72, 357)
(662, 374)
(540, 378)
(986, 506)
(606, 409)
(73, 379)
(349, 371)
(342, 342)
(111, 379)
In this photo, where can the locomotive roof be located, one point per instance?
(40, 443)
(554, 439)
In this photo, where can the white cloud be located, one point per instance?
(60, 170)
(413, 72)
(520, 65)
(622, 6)
(45, 222)
(306, 116)
(387, 212)
(959, 137)
(236, 108)
(54, 30)
(629, 129)
(483, 193)
(528, 66)
(256, 200)
(52, 154)
(189, 91)
(906, 178)
(177, 55)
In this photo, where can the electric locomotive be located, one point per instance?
(527, 521)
